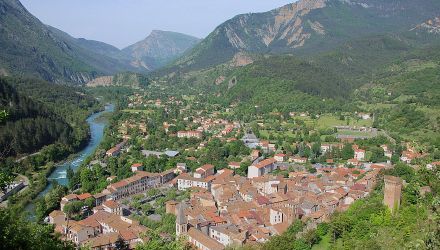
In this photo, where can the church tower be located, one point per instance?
(181, 221)
(392, 192)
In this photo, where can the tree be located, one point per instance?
(71, 178)
(347, 152)
(73, 207)
(5, 180)
(3, 115)
(311, 170)
(87, 179)
(120, 244)
(243, 168)
(316, 149)
(18, 233)
(377, 154)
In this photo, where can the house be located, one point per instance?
(408, 156)
(385, 147)
(298, 159)
(74, 197)
(57, 217)
(261, 168)
(99, 198)
(109, 227)
(185, 181)
(140, 182)
(204, 171)
(433, 165)
(171, 153)
(167, 176)
(189, 134)
(202, 241)
(387, 151)
(137, 167)
(68, 198)
(325, 148)
(267, 147)
(116, 149)
(309, 207)
(113, 207)
(234, 165)
(364, 116)
(228, 235)
(180, 168)
(113, 152)
(170, 207)
(255, 154)
(280, 157)
(103, 241)
(275, 216)
(353, 162)
(77, 233)
(359, 154)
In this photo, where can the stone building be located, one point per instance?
(392, 192)
(181, 221)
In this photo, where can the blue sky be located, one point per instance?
(124, 22)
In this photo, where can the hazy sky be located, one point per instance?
(124, 22)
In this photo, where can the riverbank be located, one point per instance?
(41, 181)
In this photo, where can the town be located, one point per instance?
(220, 125)
(253, 194)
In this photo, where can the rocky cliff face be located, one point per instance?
(100, 81)
(285, 25)
(306, 26)
(431, 26)
(158, 49)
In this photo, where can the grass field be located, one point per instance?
(323, 122)
(354, 133)
(329, 121)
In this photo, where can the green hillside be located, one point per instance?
(41, 114)
(30, 49)
(287, 83)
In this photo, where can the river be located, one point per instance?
(60, 173)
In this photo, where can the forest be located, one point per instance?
(40, 114)
(29, 124)
(42, 123)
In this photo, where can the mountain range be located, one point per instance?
(31, 48)
(305, 27)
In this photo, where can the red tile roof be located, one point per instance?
(111, 204)
(265, 163)
(261, 200)
(207, 167)
(84, 196)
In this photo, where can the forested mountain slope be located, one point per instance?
(41, 113)
(32, 49)
(305, 27)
